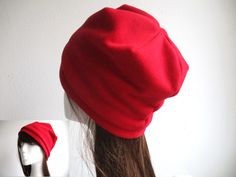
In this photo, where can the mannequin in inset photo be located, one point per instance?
(35, 142)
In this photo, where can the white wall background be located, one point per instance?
(58, 162)
(192, 134)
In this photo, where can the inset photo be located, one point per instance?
(34, 148)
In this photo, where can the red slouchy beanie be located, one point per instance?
(119, 67)
(43, 134)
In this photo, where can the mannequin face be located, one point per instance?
(30, 153)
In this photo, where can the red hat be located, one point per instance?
(119, 67)
(43, 134)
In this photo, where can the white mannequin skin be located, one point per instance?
(32, 154)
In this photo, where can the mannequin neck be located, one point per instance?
(37, 169)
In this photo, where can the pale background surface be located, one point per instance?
(192, 134)
(58, 161)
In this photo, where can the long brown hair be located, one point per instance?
(25, 138)
(119, 157)
(113, 156)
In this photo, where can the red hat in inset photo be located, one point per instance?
(119, 67)
(43, 134)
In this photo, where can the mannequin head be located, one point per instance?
(120, 99)
(35, 142)
(31, 155)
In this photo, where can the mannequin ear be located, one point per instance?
(67, 107)
(74, 112)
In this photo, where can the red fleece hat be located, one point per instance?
(119, 67)
(43, 134)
